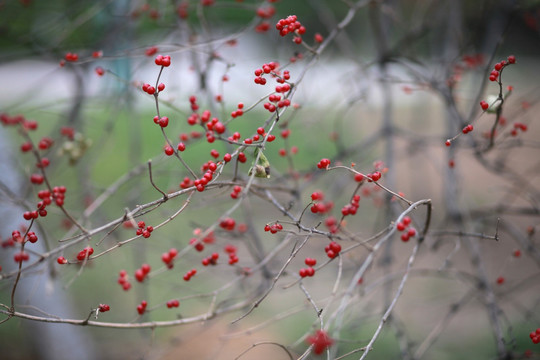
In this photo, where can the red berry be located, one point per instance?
(168, 150)
(375, 176)
(166, 258)
(32, 237)
(242, 157)
(484, 105)
(151, 51)
(219, 127)
(334, 246)
(468, 129)
(37, 179)
(320, 341)
(145, 268)
(21, 256)
(27, 146)
(323, 164)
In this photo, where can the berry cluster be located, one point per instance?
(186, 183)
(332, 224)
(161, 121)
(214, 126)
(152, 50)
(21, 256)
(262, 27)
(190, 274)
(149, 89)
(104, 308)
(8, 120)
(227, 224)
(142, 272)
(239, 111)
(266, 69)
(304, 272)
(320, 341)
(266, 12)
(237, 189)
(467, 129)
(332, 249)
(535, 336)
(352, 207)
(13, 239)
(146, 233)
(30, 236)
(46, 197)
(85, 253)
(173, 303)
(320, 207)
(274, 228)
(275, 99)
(141, 308)
(290, 25)
(517, 127)
(242, 157)
(210, 260)
(374, 176)
(262, 132)
(494, 75)
(404, 225)
(309, 271)
(123, 280)
(484, 105)
(168, 257)
(72, 57)
(323, 164)
(164, 61)
(231, 250)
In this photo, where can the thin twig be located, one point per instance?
(165, 197)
